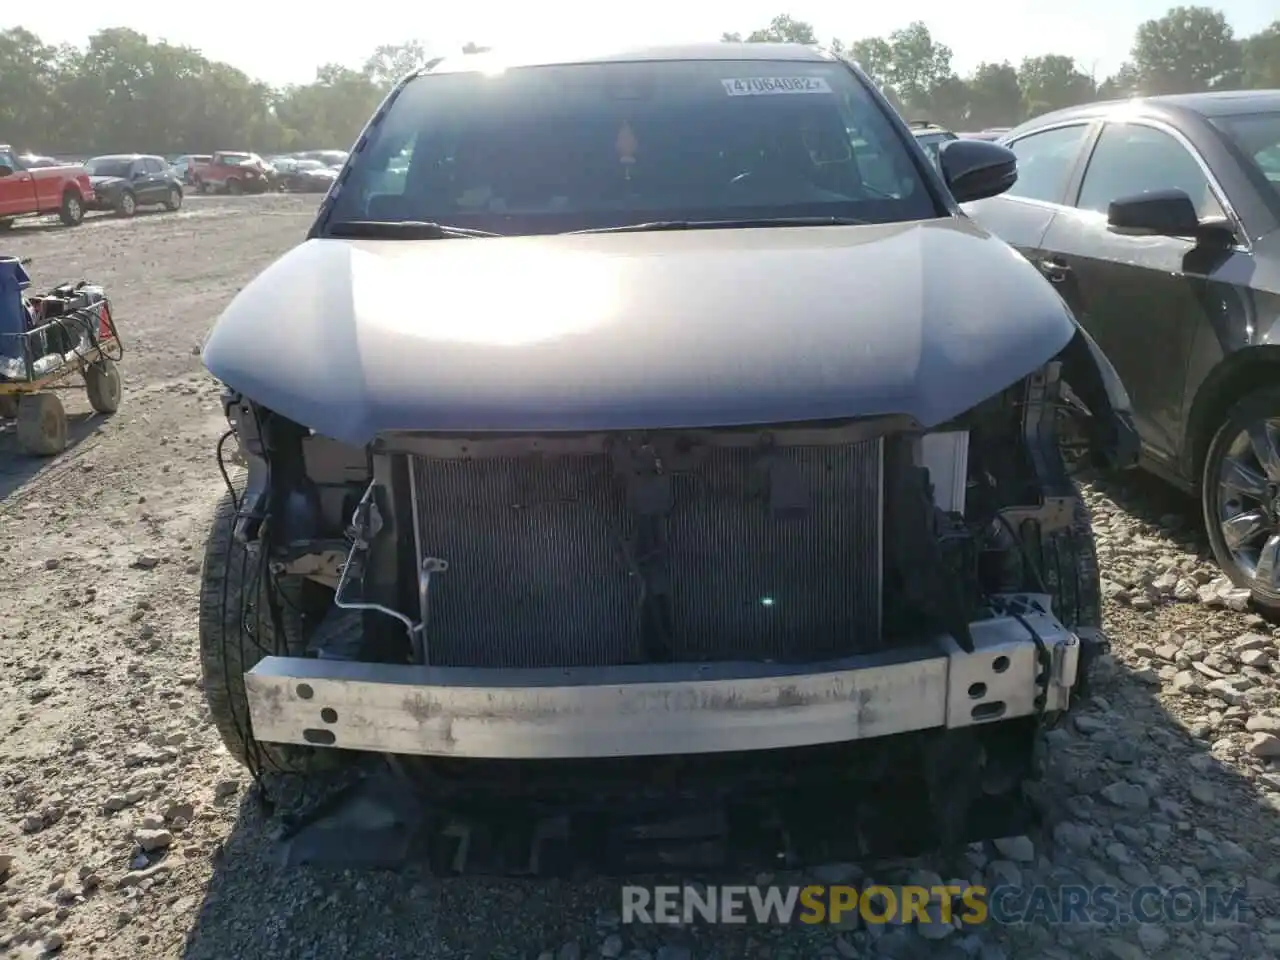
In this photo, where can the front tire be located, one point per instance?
(102, 385)
(237, 630)
(1240, 496)
(234, 187)
(175, 200)
(127, 205)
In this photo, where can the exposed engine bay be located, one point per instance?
(765, 578)
(789, 544)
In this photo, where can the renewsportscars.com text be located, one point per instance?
(970, 905)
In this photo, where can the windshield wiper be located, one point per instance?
(658, 225)
(400, 230)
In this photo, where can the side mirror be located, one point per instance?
(6, 170)
(1165, 213)
(139, 175)
(977, 169)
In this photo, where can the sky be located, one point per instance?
(284, 42)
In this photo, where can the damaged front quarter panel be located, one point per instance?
(1108, 421)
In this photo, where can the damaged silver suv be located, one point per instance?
(614, 435)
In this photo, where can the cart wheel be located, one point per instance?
(42, 424)
(102, 384)
(8, 408)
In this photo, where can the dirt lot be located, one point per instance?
(1168, 777)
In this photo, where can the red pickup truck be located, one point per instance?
(233, 172)
(34, 192)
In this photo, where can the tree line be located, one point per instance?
(124, 92)
(1188, 50)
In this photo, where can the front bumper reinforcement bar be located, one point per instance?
(654, 710)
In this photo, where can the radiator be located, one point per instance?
(542, 559)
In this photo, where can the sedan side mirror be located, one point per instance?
(977, 169)
(6, 170)
(1165, 213)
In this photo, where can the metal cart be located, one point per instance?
(72, 341)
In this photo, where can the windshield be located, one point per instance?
(107, 167)
(1258, 137)
(555, 148)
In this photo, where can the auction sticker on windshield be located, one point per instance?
(769, 86)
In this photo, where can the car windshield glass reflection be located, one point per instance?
(105, 167)
(1258, 136)
(555, 148)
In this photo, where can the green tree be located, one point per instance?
(995, 97)
(783, 28)
(918, 65)
(391, 62)
(1126, 82)
(1187, 50)
(1261, 59)
(1052, 82)
(875, 57)
(29, 76)
(331, 111)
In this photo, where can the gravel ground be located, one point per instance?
(127, 831)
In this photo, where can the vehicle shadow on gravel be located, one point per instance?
(1145, 789)
(17, 467)
(53, 224)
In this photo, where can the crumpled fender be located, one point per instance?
(1113, 437)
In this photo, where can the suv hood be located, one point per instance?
(688, 329)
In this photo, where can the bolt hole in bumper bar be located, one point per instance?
(665, 709)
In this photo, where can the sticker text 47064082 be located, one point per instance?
(771, 86)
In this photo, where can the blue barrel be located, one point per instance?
(13, 312)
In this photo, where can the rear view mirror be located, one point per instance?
(1166, 213)
(977, 169)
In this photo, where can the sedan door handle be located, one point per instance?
(1055, 270)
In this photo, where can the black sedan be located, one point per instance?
(125, 182)
(1158, 221)
(308, 176)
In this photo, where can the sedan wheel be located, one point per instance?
(128, 205)
(1241, 496)
(175, 199)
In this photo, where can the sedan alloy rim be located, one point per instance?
(1249, 502)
